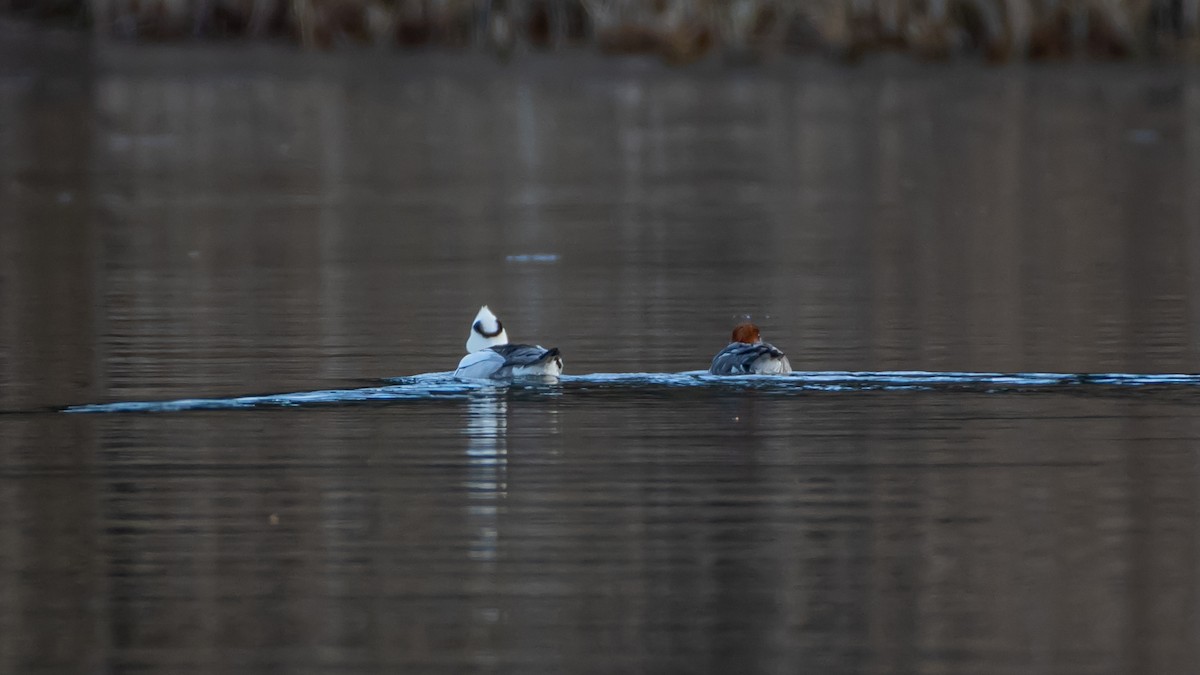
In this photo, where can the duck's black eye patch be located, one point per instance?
(478, 328)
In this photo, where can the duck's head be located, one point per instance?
(747, 333)
(486, 331)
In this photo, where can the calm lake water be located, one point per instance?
(183, 222)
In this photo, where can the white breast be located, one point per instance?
(481, 365)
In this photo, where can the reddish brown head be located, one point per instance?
(747, 333)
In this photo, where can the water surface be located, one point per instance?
(207, 223)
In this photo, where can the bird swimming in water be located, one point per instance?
(749, 355)
(490, 356)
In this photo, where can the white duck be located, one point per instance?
(749, 355)
(490, 356)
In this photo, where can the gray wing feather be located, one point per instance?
(524, 355)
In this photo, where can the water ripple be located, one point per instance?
(444, 386)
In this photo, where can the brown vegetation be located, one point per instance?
(677, 30)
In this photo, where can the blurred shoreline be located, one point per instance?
(677, 31)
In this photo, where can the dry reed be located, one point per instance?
(679, 31)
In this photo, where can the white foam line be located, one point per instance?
(443, 385)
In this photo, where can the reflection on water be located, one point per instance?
(206, 224)
(487, 459)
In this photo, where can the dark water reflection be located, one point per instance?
(202, 223)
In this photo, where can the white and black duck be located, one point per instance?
(490, 356)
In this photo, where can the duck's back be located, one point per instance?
(739, 358)
(503, 361)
